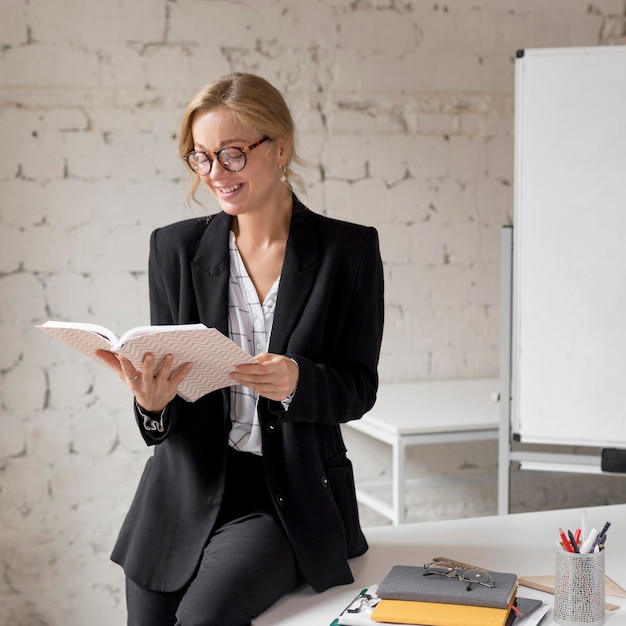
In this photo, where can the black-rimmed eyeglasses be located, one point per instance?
(231, 158)
(470, 575)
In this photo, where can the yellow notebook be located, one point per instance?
(437, 614)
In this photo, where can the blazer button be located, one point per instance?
(271, 427)
(324, 481)
(280, 500)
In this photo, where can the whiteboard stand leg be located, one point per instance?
(506, 336)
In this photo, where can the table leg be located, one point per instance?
(398, 453)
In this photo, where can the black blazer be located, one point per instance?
(329, 318)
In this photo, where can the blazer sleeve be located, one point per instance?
(163, 310)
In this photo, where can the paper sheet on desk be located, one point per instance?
(533, 584)
(610, 586)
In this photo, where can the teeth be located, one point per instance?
(229, 189)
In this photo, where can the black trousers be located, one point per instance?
(247, 564)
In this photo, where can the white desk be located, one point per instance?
(408, 414)
(523, 543)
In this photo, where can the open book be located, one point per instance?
(214, 356)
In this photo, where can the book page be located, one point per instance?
(66, 329)
(86, 338)
(150, 330)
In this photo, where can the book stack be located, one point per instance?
(409, 597)
(406, 596)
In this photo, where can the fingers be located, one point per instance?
(128, 371)
(150, 373)
(274, 376)
(110, 360)
(156, 384)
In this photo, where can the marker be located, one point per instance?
(587, 546)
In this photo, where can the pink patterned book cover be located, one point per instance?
(213, 355)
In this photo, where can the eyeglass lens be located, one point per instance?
(231, 159)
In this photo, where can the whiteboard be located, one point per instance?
(568, 383)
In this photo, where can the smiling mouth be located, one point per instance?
(229, 189)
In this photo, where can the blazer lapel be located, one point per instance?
(297, 278)
(210, 270)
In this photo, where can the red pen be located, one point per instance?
(565, 541)
(577, 535)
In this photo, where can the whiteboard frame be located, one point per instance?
(555, 457)
(544, 407)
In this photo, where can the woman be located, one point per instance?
(249, 490)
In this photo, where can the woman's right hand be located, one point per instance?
(153, 391)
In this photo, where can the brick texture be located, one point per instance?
(405, 112)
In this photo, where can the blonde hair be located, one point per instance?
(253, 102)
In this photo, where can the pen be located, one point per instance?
(584, 523)
(605, 528)
(601, 536)
(565, 541)
(361, 593)
(573, 541)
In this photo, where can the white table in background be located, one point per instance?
(420, 413)
(523, 543)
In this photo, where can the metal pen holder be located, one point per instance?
(579, 592)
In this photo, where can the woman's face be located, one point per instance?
(257, 186)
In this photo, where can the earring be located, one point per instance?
(283, 174)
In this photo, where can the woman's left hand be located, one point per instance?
(153, 389)
(273, 376)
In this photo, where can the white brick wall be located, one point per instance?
(405, 111)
